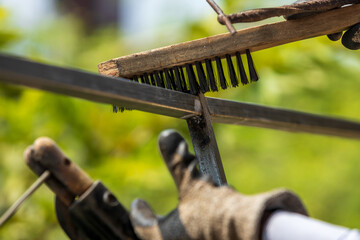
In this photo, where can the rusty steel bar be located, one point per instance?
(304, 7)
(222, 15)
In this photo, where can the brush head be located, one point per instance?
(207, 76)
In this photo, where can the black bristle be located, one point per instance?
(194, 86)
(220, 70)
(253, 74)
(172, 79)
(202, 78)
(115, 109)
(135, 79)
(152, 80)
(243, 78)
(234, 81)
(210, 75)
(159, 80)
(183, 80)
(167, 79)
(145, 79)
(179, 85)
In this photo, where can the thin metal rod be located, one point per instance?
(222, 16)
(12, 210)
(161, 101)
(260, 14)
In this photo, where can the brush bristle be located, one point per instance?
(159, 80)
(178, 81)
(183, 80)
(115, 108)
(253, 74)
(233, 79)
(167, 79)
(152, 80)
(243, 77)
(194, 86)
(199, 79)
(172, 79)
(204, 86)
(220, 70)
(146, 79)
(205, 80)
(210, 75)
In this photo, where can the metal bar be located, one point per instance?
(12, 210)
(95, 87)
(230, 112)
(222, 15)
(205, 146)
(161, 101)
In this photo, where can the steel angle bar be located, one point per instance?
(95, 87)
(161, 101)
(231, 112)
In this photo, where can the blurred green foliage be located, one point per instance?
(6, 35)
(314, 75)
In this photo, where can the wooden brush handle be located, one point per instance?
(256, 38)
(67, 180)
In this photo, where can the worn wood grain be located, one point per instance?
(255, 39)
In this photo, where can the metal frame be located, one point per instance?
(122, 92)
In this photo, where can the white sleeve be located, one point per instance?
(284, 225)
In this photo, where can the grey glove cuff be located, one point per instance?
(262, 205)
(227, 214)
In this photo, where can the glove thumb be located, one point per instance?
(351, 38)
(144, 220)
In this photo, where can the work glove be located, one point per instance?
(351, 38)
(206, 211)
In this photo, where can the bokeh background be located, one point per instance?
(316, 75)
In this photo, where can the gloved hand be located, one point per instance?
(351, 38)
(206, 211)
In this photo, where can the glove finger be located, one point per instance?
(175, 153)
(144, 220)
(335, 36)
(141, 214)
(351, 38)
